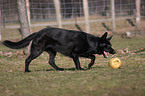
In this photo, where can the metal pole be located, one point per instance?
(58, 13)
(86, 13)
(112, 3)
(0, 25)
(138, 15)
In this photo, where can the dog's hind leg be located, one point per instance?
(35, 52)
(52, 55)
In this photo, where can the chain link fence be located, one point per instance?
(43, 14)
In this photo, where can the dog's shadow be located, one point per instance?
(71, 69)
(65, 69)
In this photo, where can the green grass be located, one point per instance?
(101, 80)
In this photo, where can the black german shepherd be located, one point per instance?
(71, 43)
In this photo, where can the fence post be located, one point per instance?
(112, 3)
(0, 26)
(58, 12)
(86, 13)
(24, 22)
(28, 13)
(138, 15)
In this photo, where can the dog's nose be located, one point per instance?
(112, 52)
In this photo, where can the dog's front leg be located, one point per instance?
(77, 62)
(92, 57)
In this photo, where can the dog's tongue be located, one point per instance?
(105, 55)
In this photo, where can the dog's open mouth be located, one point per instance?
(105, 54)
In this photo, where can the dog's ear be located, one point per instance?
(104, 36)
(109, 38)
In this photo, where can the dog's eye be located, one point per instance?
(103, 45)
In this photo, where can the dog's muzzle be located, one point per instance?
(105, 54)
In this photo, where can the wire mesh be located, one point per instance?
(43, 14)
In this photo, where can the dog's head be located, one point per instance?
(105, 45)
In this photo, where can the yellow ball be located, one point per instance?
(115, 63)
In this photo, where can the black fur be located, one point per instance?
(71, 43)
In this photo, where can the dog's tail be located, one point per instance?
(20, 44)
